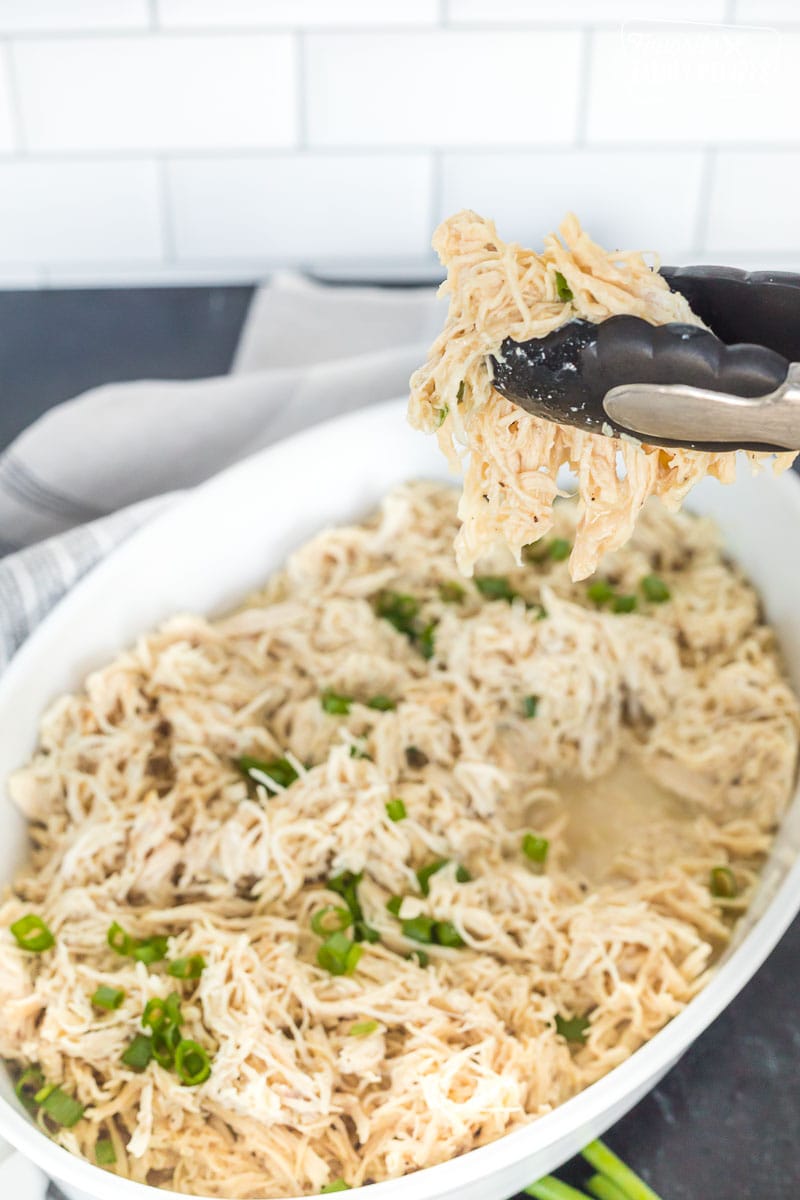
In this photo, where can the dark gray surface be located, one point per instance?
(725, 1124)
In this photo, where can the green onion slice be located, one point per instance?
(108, 997)
(187, 968)
(32, 934)
(535, 848)
(63, 1109)
(623, 604)
(394, 904)
(572, 1028)
(267, 772)
(420, 957)
(424, 874)
(28, 1085)
(654, 589)
(559, 549)
(362, 1028)
(419, 929)
(396, 810)
(494, 587)
(441, 415)
(150, 950)
(192, 1064)
(563, 289)
(451, 592)
(529, 705)
(339, 955)
(600, 591)
(446, 934)
(336, 1185)
(165, 1040)
(425, 641)
(330, 920)
(723, 884)
(399, 610)
(139, 1053)
(119, 940)
(334, 703)
(104, 1152)
(381, 703)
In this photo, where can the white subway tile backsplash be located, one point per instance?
(35, 16)
(267, 14)
(693, 86)
(766, 12)
(56, 211)
(301, 207)
(624, 198)
(442, 88)
(753, 202)
(578, 12)
(156, 93)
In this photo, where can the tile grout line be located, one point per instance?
(585, 61)
(301, 90)
(704, 200)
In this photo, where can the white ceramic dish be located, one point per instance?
(223, 540)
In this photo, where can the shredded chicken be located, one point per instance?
(498, 290)
(647, 747)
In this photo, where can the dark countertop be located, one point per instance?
(725, 1123)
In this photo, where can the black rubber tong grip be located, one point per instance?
(565, 376)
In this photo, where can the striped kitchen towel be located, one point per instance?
(92, 470)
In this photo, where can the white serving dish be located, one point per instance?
(221, 541)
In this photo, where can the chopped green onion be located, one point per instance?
(534, 552)
(192, 1064)
(603, 1188)
(28, 1084)
(381, 703)
(530, 705)
(723, 883)
(550, 1188)
(451, 592)
(421, 957)
(63, 1109)
(330, 920)
(362, 1028)
(335, 704)
(399, 610)
(572, 1028)
(604, 1160)
(416, 758)
(346, 885)
(104, 1152)
(396, 810)
(160, 1013)
(44, 1092)
(358, 752)
(460, 392)
(187, 968)
(655, 589)
(563, 289)
(535, 848)
(150, 950)
(623, 604)
(165, 1041)
(394, 904)
(559, 549)
(419, 929)
(32, 934)
(339, 955)
(139, 1053)
(425, 641)
(600, 591)
(462, 875)
(108, 997)
(336, 1185)
(424, 874)
(446, 934)
(276, 770)
(119, 940)
(495, 587)
(441, 416)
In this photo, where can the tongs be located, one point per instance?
(737, 387)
